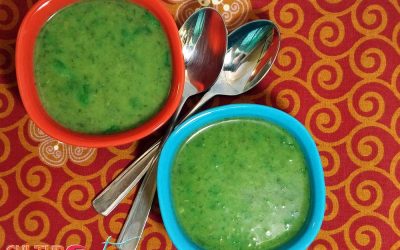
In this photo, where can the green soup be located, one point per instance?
(102, 66)
(241, 184)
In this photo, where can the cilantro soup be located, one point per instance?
(240, 184)
(102, 66)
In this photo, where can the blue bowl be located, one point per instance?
(313, 223)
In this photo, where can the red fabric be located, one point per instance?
(337, 72)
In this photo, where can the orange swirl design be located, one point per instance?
(367, 105)
(31, 222)
(369, 18)
(75, 234)
(289, 16)
(6, 103)
(7, 60)
(288, 61)
(366, 148)
(4, 193)
(332, 206)
(338, 72)
(323, 119)
(34, 180)
(9, 15)
(367, 61)
(324, 242)
(330, 160)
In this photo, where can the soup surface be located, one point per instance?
(240, 184)
(102, 66)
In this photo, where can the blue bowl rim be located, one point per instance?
(317, 208)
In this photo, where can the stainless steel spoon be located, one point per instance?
(204, 42)
(204, 38)
(252, 49)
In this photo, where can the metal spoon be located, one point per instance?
(204, 38)
(252, 49)
(204, 42)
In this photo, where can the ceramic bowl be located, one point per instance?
(28, 32)
(291, 125)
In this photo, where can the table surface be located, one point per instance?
(338, 72)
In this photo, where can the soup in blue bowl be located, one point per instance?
(241, 176)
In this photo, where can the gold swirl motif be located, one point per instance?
(395, 81)
(368, 102)
(6, 147)
(363, 237)
(370, 17)
(330, 164)
(76, 198)
(116, 222)
(289, 13)
(36, 176)
(2, 237)
(363, 193)
(7, 51)
(394, 221)
(152, 236)
(366, 147)
(328, 30)
(6, 110)
(324, 241)
(327, 118)
(3, 193)
(395, 246)
(330, 77)
(394, 167)
(291, 59)
(6, 24)
(289, 101)
(35, 220)
(369, 59)
(333, 211)
(75, 233)
(125, 151)
(396, 37)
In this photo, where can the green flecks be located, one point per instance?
(83, 94)
(112, 129)
(167, 60)
(90, 65)
(213, 177)
(142, 31)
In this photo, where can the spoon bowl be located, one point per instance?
(245, 64)
(252, 49)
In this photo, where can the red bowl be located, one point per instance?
(28, 32)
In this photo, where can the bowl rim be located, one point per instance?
(313, 224)
(30, 27)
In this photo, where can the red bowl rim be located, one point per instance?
(27, 34)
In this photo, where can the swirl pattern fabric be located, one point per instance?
(338, 72)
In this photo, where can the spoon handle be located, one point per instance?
(119, 188)
(134, 224)
(116, 191)
(132, 230)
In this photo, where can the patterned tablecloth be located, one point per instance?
(337, 72)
